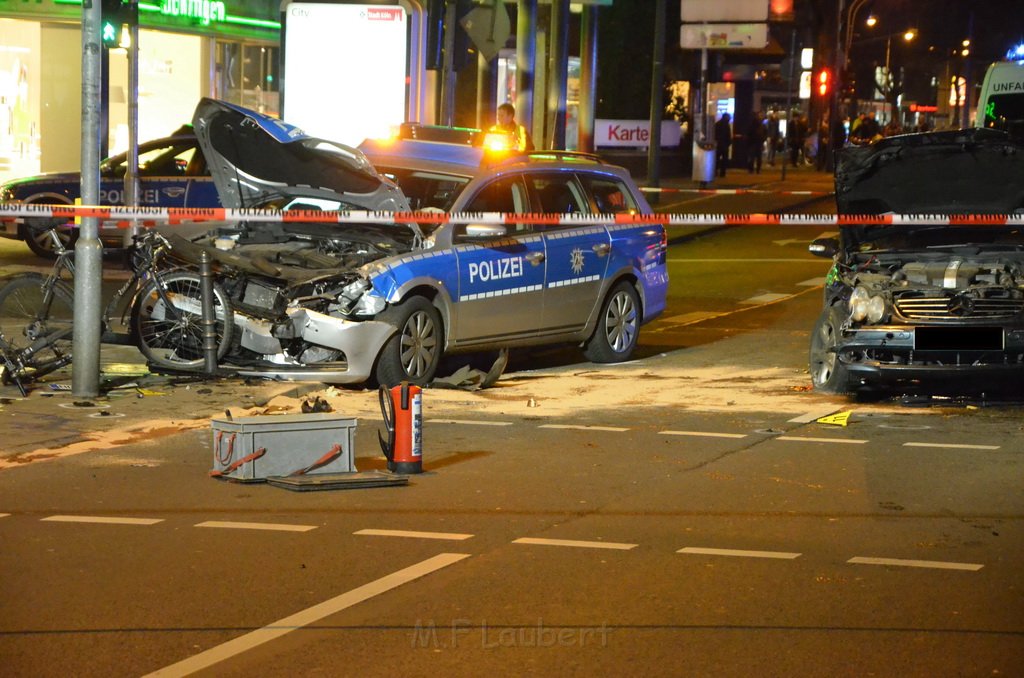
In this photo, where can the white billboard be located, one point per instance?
(723, 36)
(344, 69)
(717, 10)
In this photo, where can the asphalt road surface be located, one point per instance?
(688, 514)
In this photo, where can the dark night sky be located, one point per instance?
(997, 24)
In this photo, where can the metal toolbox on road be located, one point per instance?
(255, 448)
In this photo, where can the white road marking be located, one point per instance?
(698, 550)
(278, 527)
(703, 434)
(467, 422)
(812, 282)
(814, 415)
(614, 429)
(953, 446)
(692, 317)
(574, 543)
(308, 616)
(104, 520)
(935, 564)
(4, 515)
(799, 439)
(766, 298)
(451, 536)
(91, 406)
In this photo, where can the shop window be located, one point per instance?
(247, 75)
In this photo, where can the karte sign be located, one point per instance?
(633, 133)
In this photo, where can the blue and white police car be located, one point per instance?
(172, 173)
(402, 295)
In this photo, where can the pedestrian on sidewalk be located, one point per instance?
(756, 134)
(774, 137)
(723, 140)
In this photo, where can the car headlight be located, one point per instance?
(859, 304)
(875, 310)
(867, 306)
(355, 299)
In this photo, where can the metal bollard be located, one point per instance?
(209, 313)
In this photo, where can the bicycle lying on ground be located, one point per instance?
(160, 307)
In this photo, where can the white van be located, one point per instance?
(1001, 103)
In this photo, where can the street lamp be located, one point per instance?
(908, 36)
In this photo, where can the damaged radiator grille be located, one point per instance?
(958, 306)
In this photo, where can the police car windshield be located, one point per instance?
(426, 190)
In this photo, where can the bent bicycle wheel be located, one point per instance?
(167, 320)
(31, 310)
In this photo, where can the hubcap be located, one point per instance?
(418, 344)
(621, 322)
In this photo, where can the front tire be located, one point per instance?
(828, 374)
(168, 323)
(412, 354)
(37, 235)
(618, 328)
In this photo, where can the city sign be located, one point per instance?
(344, 69)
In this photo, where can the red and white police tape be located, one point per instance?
(729, 191)
(148, 216)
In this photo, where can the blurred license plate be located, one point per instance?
(958, 339)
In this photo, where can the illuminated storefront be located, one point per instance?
(187, 49)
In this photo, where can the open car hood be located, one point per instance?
(259, 161)
(970, 171)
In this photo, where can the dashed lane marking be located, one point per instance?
(703, 434)
(580, 427)
(575, 543)
(766, 298)
(934, 564)
(277, 527)
(4, 515)
(801, 439)
(103, 520)
(953, 446)
(699, 550)
(812, 282)
(308, 616)
(467, 422)
(813, 415)
(451, 536)
(692, 317)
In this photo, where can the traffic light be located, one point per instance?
(115, 14)
(823, 82)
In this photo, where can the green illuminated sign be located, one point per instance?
(203, 10)
(990, 110)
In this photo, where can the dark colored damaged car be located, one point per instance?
(937, 308)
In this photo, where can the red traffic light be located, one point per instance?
(823, 82)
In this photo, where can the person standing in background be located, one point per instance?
(756, 134)
(723, 140)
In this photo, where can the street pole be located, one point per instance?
(888, 79)
(85, 336)
(131, 177)
(448, 66)
(657, 75)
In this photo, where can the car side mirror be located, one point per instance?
(824, 247)
(482, 231)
